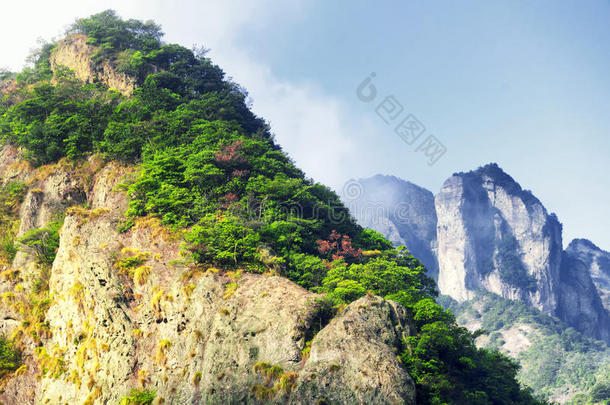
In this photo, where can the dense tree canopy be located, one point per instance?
(210, 167)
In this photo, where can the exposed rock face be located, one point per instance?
(401, 211)
(585, 282)
(485, 233)
(75, 53)
(369, 331)
(193, 336)
(597, 262)
(493, 235)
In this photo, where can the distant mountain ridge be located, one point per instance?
(402, 211)
(491, 235)
(498, 259)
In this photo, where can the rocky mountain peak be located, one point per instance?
(76, 54)
(488, 227)
(486, 233)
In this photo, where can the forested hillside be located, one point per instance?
(556, 360)
(209, 170)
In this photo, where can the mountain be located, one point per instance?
(157, 246)
(597, 264)
(493, 237)
(556, 361)
(403, 212)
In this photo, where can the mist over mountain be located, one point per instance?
(493, 237)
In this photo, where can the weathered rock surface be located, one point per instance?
(401, 211)
(492, 235)
(485, 233)
(353, 359)
(597, 262)
(192, 335)
(585, 287)
(75, 53)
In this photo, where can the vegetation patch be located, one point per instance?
(43, 242)
(276, 381)
(11, 196)
(139, 397)
(10, 357)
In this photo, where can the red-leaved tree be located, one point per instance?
(337, 247)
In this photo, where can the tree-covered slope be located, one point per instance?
(556, 361)
(210, 172)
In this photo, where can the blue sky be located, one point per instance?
(521, 83)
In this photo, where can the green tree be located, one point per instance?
(43, 242)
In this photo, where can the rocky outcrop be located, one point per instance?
(495, 236)
(485, 233)
(131, 310)
(401, 211)
(75, 53)
(370, 331)
(597, 263)
(585, 282)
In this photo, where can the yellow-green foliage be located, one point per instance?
(192, 272)
(32, 308)
(76, 290)
(137, 333)
(140, 397)
(306, 350)
(261, 367)
(155, 303)
(129, 259)
(269, 371)
(141, 274)
(142, 377)
(229, 289)
(262, 393)
(95, 394)
(231, 286)
(370, 253)
(197, 378)
(158, 230)
(287, 381)
(161, 357)
(50, 364)
(85, 215)
(21, 370)
(188, 289)
(270, 261)
(11, 196)
(10, 274)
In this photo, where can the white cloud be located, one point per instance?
(311, 125)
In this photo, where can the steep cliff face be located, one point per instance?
(401, 211)
(130, 310)
(597, 262)
(493, 235)
(75, 54)
(585, 282)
